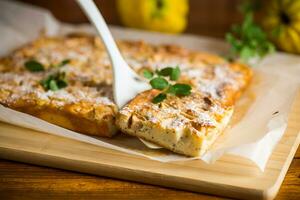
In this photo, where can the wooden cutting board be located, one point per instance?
(230, 176)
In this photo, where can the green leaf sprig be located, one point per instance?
(159, 81)
(35, 66)
(54, 81)
(63, 63)
(248, 40)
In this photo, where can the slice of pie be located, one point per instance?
(186, 125)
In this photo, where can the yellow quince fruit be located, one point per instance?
(156, 15)
(281, 20)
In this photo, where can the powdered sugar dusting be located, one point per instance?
(175, 113)
(89, 74)
(206, 119)
(27, 86)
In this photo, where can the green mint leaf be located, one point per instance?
(61, 84)
(53, 85)
(171, 90)
(175, 74)
(180, 89)
(247, 53)
(165, 71)
(54, 82)
(34, 66)
(64, 62)
(248, 40)
(148, 74)
(159, 98)
(159, 83)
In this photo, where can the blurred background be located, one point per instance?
(259, 26)
(205, 17)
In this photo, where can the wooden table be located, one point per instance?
(18, 180)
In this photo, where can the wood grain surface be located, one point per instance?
(32, 182)
(24, 181)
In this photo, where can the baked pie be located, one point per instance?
(68, 81)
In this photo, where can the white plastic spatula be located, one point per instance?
(126, 83)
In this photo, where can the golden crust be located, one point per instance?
(186, 125)
(77, 108)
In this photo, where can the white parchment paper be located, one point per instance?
(255, 132)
